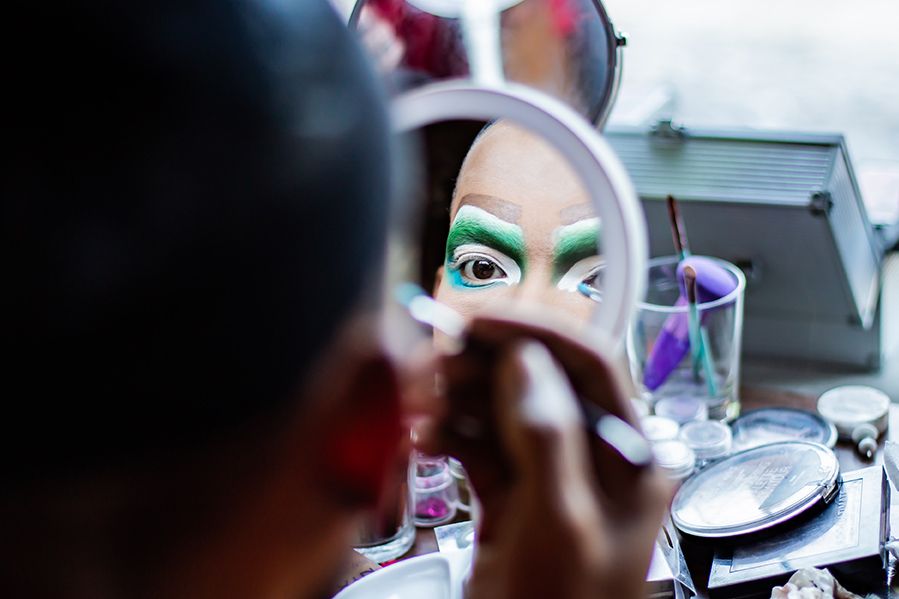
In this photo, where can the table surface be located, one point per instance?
(751, 398)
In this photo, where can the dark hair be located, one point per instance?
(196, 200)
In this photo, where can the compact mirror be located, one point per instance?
(518, 199)
(566, 48)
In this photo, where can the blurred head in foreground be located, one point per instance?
(192, 227)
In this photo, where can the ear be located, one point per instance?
(363, 442)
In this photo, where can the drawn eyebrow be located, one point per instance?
(475, 225)
(498, 207)
(572, 214)
(573, 243)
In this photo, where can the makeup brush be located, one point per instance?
(698, 335)
(678, 232)
(589, 292)
(627, 441)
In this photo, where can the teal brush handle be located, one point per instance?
(695, 339)
(707, 363)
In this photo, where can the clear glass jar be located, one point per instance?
(710, 440)
(462, 487)
(676, 460)
(435, 492)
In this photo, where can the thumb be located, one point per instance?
(539, 419)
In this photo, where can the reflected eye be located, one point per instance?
(592, 280)
(475, 265)
(589, 287)
(585, 272)
(482, 269)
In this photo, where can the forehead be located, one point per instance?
(517, 169)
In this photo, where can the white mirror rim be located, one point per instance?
(601, 172)
(452, 9)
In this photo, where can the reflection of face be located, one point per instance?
(522, 228)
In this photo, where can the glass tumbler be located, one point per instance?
(681, 353)
(388, 531)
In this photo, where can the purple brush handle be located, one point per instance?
(673, 343)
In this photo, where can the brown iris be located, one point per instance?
(483, 269)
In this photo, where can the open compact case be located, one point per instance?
(749, 521)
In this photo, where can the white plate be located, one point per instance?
(435, 576)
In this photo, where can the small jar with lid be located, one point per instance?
(435, 492)
(710, 440)
(676, 460)
(859, 413)
(682, 408)
(659, 428)
(462, 487)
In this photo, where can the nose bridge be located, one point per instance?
(537, 286)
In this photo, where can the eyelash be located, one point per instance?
(591, 275)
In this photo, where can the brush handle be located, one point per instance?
(696, 347)
(708, 364)
(671, 346)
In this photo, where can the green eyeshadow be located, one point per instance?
(475, 226)
(573, 244)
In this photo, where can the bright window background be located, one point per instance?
(805, 65)
(808, 65)
(829, 66)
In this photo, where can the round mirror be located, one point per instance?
(453, 9)
(566, 48)
(519, 199)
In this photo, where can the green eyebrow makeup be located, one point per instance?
(473, 225)
(574, 243)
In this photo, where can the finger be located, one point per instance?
(583, 358)
(467, 381)
(421, 397)
(636, 534)
(426, 436)
(468, 429)
(541, 426)
(595, 380)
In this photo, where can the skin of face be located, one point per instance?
(522, 228)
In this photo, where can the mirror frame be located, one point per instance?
(601, 172)
(615, 42)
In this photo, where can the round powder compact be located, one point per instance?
(659, 428)
(770, 425)
(756, 489)
(681, 409)
(675, 459)
(709, 439)
(851, 406)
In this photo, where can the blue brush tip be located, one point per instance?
(404, 293)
